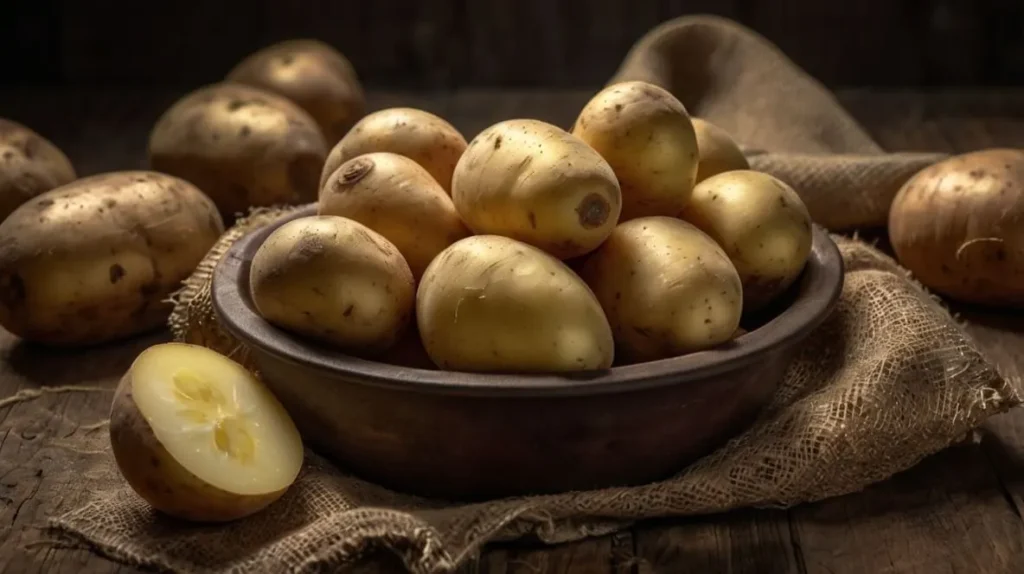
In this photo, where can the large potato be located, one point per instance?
(717, 150)
(491, 303)
(313, 75)
(646, 136)
(396, 197)
(418, 135)
(666, 287)
(334, 280)
(539, 184)
(29, 165)
(199, 438)
(762, 225)
(958, 226)
(96, 259)
(240, 145)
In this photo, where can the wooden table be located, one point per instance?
(958, 511)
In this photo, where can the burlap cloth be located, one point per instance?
(888, 379)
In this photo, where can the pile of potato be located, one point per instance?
(641, 234)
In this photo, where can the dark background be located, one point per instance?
(438, 44)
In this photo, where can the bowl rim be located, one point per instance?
(820, 284)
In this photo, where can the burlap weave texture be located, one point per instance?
(888, 379)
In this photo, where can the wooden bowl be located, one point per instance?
(463, 436)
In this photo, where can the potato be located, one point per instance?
(958, 226)
(240, 145)
(535, 182)
(199, 438)
(666, 287)
(717, 151)
(762, 225)
(396, 197)
(96, 259)
(418, 135)
(493, 304)
(336, 281)
(29, 165)
(646, 136)
(313, 75)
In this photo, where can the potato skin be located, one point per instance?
(334, 280)
(242, 146)
(493, 304)
(958, 226)
(420, 136)
(96, 259)
(159, 479)
(313, 75)
(761, 223)
(29, 165)
(666, 287)
(396, 197)
(645, 134)
(717, 150)
(536, 183)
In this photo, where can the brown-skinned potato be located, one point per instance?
(29, 165)
(313, 75)
(240, 145)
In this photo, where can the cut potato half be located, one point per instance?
(199, 437)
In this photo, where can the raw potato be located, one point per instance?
(96, 259)
(646, 136)
(717, 150)
(313, 75)
(240, 145)
(418, 135)
(666, 287)
(762, 225)
(493, 304)
(199, 438)
(958, 226)
(29, 165)
(334, 280)
(535, 182)
(394, 196)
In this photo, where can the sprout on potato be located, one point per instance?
(717, 150)
(762, 225)
(29, 165)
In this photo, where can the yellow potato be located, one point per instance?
(666, 287)
(96, 259)
(334, 280)
(717, 150)
(29, 165)
(535, 182)
(420, 136)
(240, 145)
(313, 75)
(646, 136)
(199, 438)
(490, 303)
(396, 197)
(762, 225)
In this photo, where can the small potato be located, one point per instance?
(240, 145)
(535, 182)
(762, 225)
(718, 151)
(29, 165)
(334, 280)
(646, 136)
(394, 196)
(199, 438)
(313, 75)
(418, 135)
(491, 303)
(96, 259)
(666, 287)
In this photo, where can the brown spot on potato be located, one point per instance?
(497, 142)
(116, 273)
(348, 310)
(245, 131)
(235, 105)
(356, 170)
(12, 291)
(43, 204)
(8, 155)
(593, 211)
(533, 219)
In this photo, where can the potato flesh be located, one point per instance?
(216, 420)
